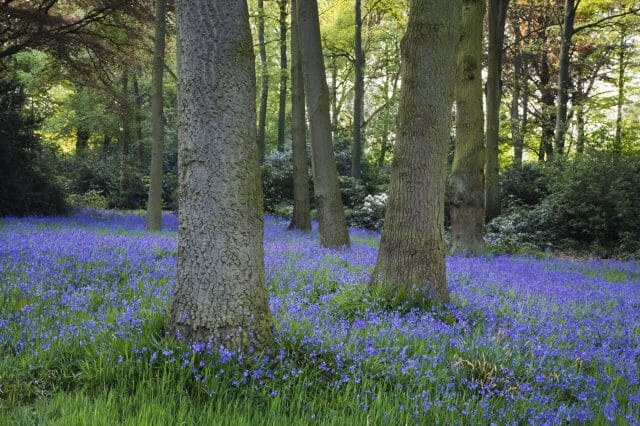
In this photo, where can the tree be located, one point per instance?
(333, 226)
(264, 86)
(497, 12)
(220, 291)
(358, 95)
(154, 206)
(301, 218)
(411, 259)
(466, 186)
(283, 74)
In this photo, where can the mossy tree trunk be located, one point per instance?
(220, 291)
(411, 260)
(466, 186)
(333, 226)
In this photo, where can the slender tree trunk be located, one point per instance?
(125, 141)
(138, 120)
(301, 204)
(282, 109)
(516, 119)
(548, 111)
(358, 96)
(563, 76)
(335, 111)
(333, 226)
(154, 204)
(82, 141)
(220, 290)
(617, 141)
(466, 187)
(497, 13)
(411, 260)
(580, 128)
(264, 87)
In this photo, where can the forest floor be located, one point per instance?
(83, 309)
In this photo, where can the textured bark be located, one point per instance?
(466, 187)
(264, 87)
(358, 95)
(411, 259)
(333, 226)
(220, 291)
(563, 76)
(154, 205)
(282, 108)
(497, 13)
(301, 204)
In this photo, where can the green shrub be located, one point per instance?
(526, 184)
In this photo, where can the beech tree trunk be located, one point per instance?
(466, 187)
(282, 109)
(333, 226)
(411, 260)
(301, 204)
(358, 96)
(154, 205)
(220, 291)
(264, 87)
(563, 76)
(497, 13)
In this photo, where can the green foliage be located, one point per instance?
(26, 187)
(370, 214)
(524, 185)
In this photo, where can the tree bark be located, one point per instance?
(154, 205)
(264, 87)
(411, 260)
(301, 204)
(282, 109)
(358, 95)
(563, 76)
(518, 80)
(220, 290)
(497, 13)
(466, 187)
(333, 226)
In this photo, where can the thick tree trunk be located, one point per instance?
(333, 226)
(358, 96)
(220, 291)
(154, 205)
(466, 187)
(301, 204)
(282, 109)
(264, 87)
(125, 142)
(563, 76)
(617, 141)
(497, 13)
(411, 260)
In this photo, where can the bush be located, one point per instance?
(370, 215)
(92, 199)
(523, 185)
(277, 181)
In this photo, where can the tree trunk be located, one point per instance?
(264, 87)
(220, 291)
(563, 76)
(335, 111)
(548, 110)
(138, 119)
(518, 74)
(154, 205)
(411, 260)
(82, 141)
(466, 187)
(358, 96)
(301, 204)
(497, 15)
(617, 141)
(282, 109)
(580, 128)
(333, 226)
(125, 142)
